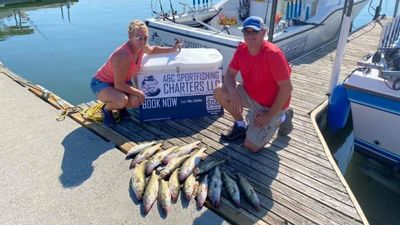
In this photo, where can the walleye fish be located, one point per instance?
(189, 164)
(206, 166)
(181, 151)
(215, 187)
(188, 186)
(174, 186)
(151, 192)
(138, 148)
(232, 188)
(157, 158)
(172, 165)
(164, 196)
(248, 191)
(202, 192)
(138, 180)
(145, 154)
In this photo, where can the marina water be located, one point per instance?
(61, 46)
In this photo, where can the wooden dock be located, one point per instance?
(295, 177)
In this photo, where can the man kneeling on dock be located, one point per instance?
(266, 89)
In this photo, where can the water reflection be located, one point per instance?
(13, 30)
(375, 186)
(15, 21)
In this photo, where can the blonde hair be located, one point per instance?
(136, 25)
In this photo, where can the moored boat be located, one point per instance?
(299, 26)
(374, 94)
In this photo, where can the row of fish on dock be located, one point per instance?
(181, 166)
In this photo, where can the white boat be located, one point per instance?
(375, 109)
(374, 96)
(300, 25)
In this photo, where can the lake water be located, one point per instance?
(60, 47)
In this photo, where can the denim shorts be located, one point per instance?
(97, 85)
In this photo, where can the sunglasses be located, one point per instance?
(140, 37)
(252, 32)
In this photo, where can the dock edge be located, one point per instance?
(314, 114)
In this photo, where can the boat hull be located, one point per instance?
(376, 117)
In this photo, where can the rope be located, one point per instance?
(66, 112)
(94, 112)
(46, 95)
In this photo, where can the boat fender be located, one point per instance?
(338, 108)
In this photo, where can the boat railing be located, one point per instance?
(387, 57)
(390, 35)
(193, 8)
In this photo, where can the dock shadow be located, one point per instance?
(160, 210)
(81, 149)
(208, 218)
(184, 202)
(279, 143)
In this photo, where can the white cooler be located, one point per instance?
(180, 85)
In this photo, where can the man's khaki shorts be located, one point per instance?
(259, 136)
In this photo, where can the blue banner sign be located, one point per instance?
(179, 95)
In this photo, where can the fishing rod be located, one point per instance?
(172, 9)
(162, 10)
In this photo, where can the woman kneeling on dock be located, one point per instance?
(112, 83)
